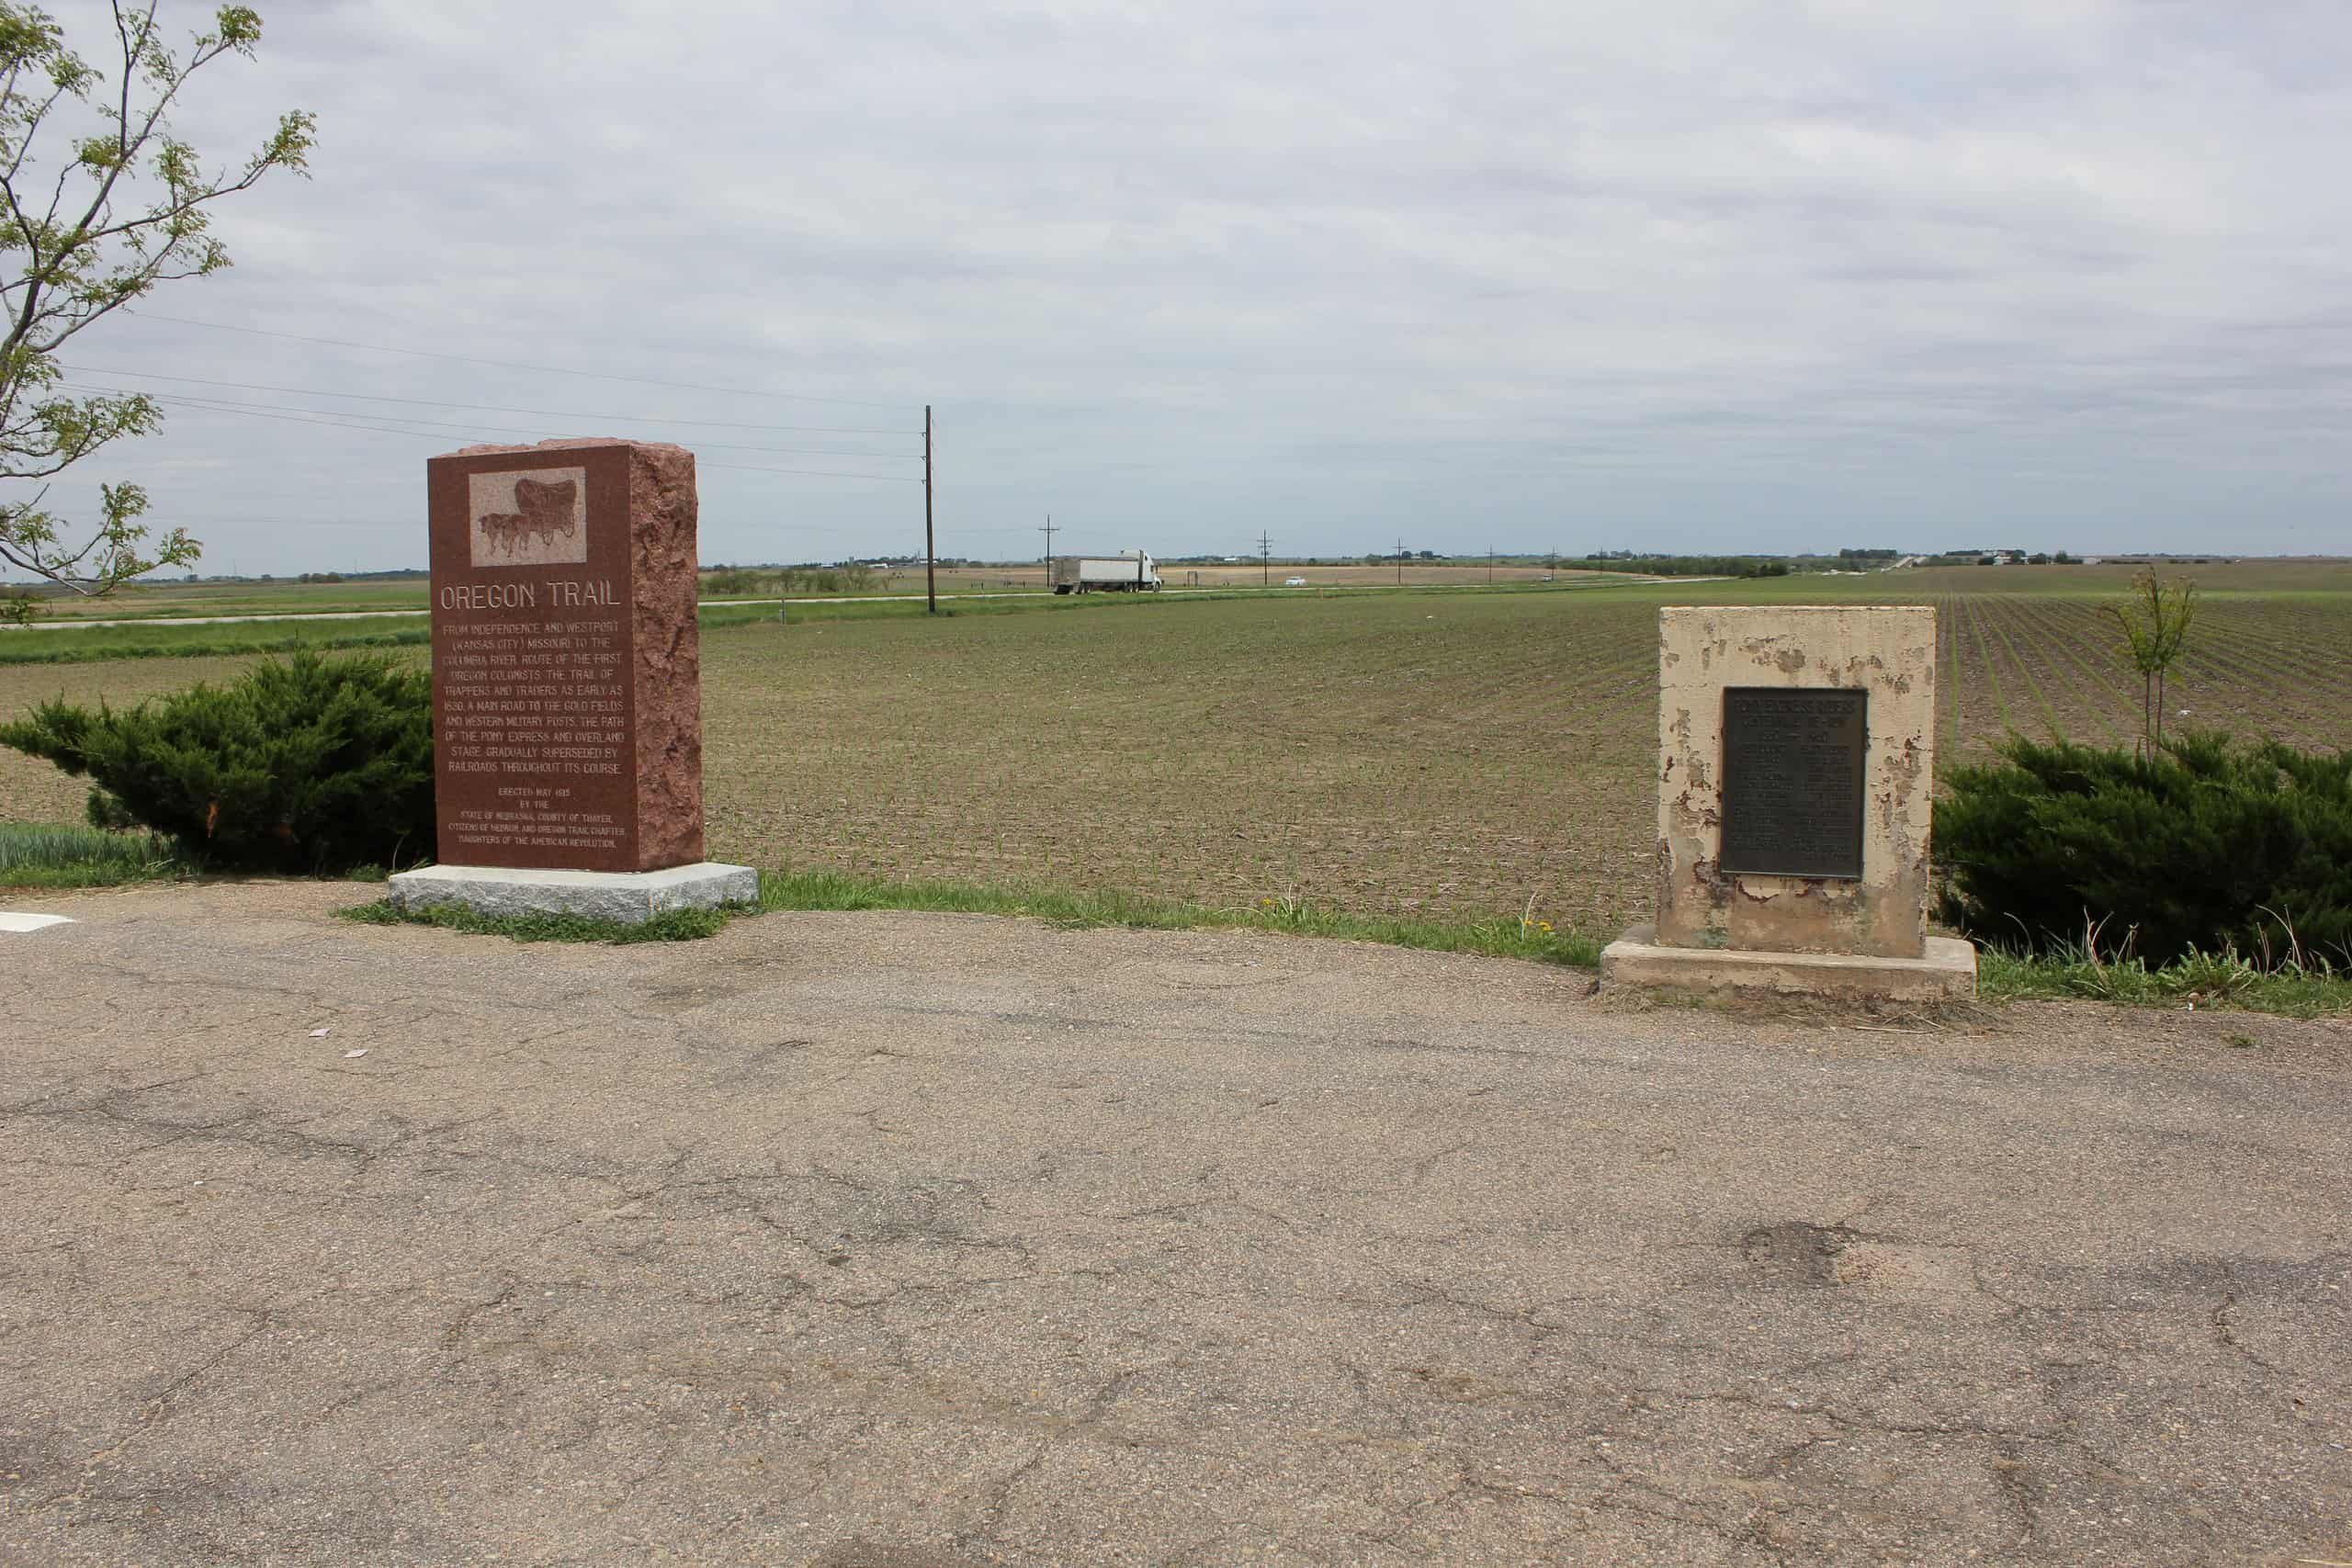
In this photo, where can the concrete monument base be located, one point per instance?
(628, 896)
(1636, 961)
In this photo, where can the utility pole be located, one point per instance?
(1265, 561)
(930, 544)
(1400, 563)
(1048, 531)
(1490, 565)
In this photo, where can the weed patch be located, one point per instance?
(2311, 988)
(38, 855)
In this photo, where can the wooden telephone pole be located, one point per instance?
(930, 544)
(1265, 561)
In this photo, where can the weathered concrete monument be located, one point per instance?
(1796, 778)
(566, 697)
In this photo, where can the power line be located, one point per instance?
(236, 405)
(334, 419)
(492, 408)
(511, 364)
(174, 515)
(314, 416)
(321, 417)
(812, 473)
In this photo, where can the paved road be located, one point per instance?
(711, 604)
(707, 603)
(395, 615)
(929, 1241)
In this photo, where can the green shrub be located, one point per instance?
(310, 765)
(2201, 845)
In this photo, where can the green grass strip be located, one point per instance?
(147, 640)
(1504, 938)
(159, 638)
(1071, 909)
(2314, 988)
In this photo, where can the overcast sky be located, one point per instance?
(1674, 275)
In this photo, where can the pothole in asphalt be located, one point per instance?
(1795, 1253)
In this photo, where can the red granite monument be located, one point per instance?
(566, 677)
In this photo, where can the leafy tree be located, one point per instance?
(96, 215)
(2155, 622)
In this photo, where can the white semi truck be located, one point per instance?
(1130, 572)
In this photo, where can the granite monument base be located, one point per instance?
(630, 897)
(1635, 962)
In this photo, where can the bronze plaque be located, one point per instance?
(534, 754)
(1793, 781)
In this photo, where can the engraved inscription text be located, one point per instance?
(1793, 781)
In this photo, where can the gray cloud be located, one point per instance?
(1681, 276)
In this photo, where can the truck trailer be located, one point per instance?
(1130, 572)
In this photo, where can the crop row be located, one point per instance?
(2053, 665)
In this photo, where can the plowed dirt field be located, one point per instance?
(1460, 752)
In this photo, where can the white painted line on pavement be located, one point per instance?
(10, 922)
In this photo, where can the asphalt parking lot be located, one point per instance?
(925, 1241)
